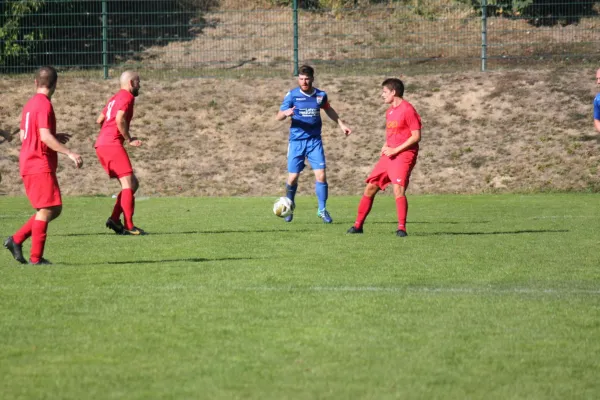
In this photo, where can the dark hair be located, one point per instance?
(307, 70)
(46, 77)
(394, 84)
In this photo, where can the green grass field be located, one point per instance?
(490, 297)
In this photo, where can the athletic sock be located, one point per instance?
(291, 191)
(322, 194)
(38, 239)
(24, 232)
(117, 210)
(402, 210)
(127, 204)
(364, 208)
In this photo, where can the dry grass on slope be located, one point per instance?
(500, 131)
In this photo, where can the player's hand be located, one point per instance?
(389, 151)
(289, 112)
(63, 137)
(76, 159)
(345, 129)
(135, 142)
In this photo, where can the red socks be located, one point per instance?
(402, 210)
(127, 203)
(364, 207)
(117, 210)
(24, 232)
(38, 239)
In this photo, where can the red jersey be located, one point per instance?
(109, 133)
(35, 157)
(399, 122)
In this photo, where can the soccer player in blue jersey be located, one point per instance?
(597, 105)
(303, 105)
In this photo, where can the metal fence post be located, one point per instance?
(295, 17)
(483, 35)
(105, 39)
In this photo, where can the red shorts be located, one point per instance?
(114, 160)
(393, 170)
(42, 190)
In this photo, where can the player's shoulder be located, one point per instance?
(319, 92)
(597, 98)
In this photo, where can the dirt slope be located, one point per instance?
(499, 131)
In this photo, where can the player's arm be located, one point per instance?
(281, 115)
(415, 137)
(54, 144)
(22, 135)
(597, 125)
(123, 127)
(333, 115)
(100, 119)
(287, 108)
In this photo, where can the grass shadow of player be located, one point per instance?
(198, 232)
(182, 259)
(515, 232)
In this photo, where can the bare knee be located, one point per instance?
(399, 191)
(371, 190)
(320, 175)
(292, 179)
(48, 214)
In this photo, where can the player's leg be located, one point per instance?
(364, 207)
(400, 171)
(39, 233)
(377, 180)
(401, 209)
(316, 157)
(322, 192)
(129, 185)
(14, 243)
(295, 164)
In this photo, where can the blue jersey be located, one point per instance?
(306, 121)
(597, 107)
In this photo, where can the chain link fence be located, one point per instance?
(203, 38)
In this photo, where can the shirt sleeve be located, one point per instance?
(44, 117)
(413, 120)
(287, 102)
(597, 107)
(325, 103)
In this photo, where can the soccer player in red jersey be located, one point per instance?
(398, 155)
(38, 161)
(114, 121)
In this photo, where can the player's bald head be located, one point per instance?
(46, 77)
(126, 78)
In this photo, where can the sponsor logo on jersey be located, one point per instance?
(300, 98)
(308, 112)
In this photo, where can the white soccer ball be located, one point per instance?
(283, 207)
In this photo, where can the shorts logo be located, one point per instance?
(319, 100)
(398, 180)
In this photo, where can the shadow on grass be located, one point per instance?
(427, 222)
(187, 232)
(184, 259)
(518, 232)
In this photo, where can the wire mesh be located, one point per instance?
(199, 38)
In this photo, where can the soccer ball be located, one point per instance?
(283, 207)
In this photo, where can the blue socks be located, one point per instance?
(322, 194)
(290, 191)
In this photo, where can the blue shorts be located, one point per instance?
(299, 150)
